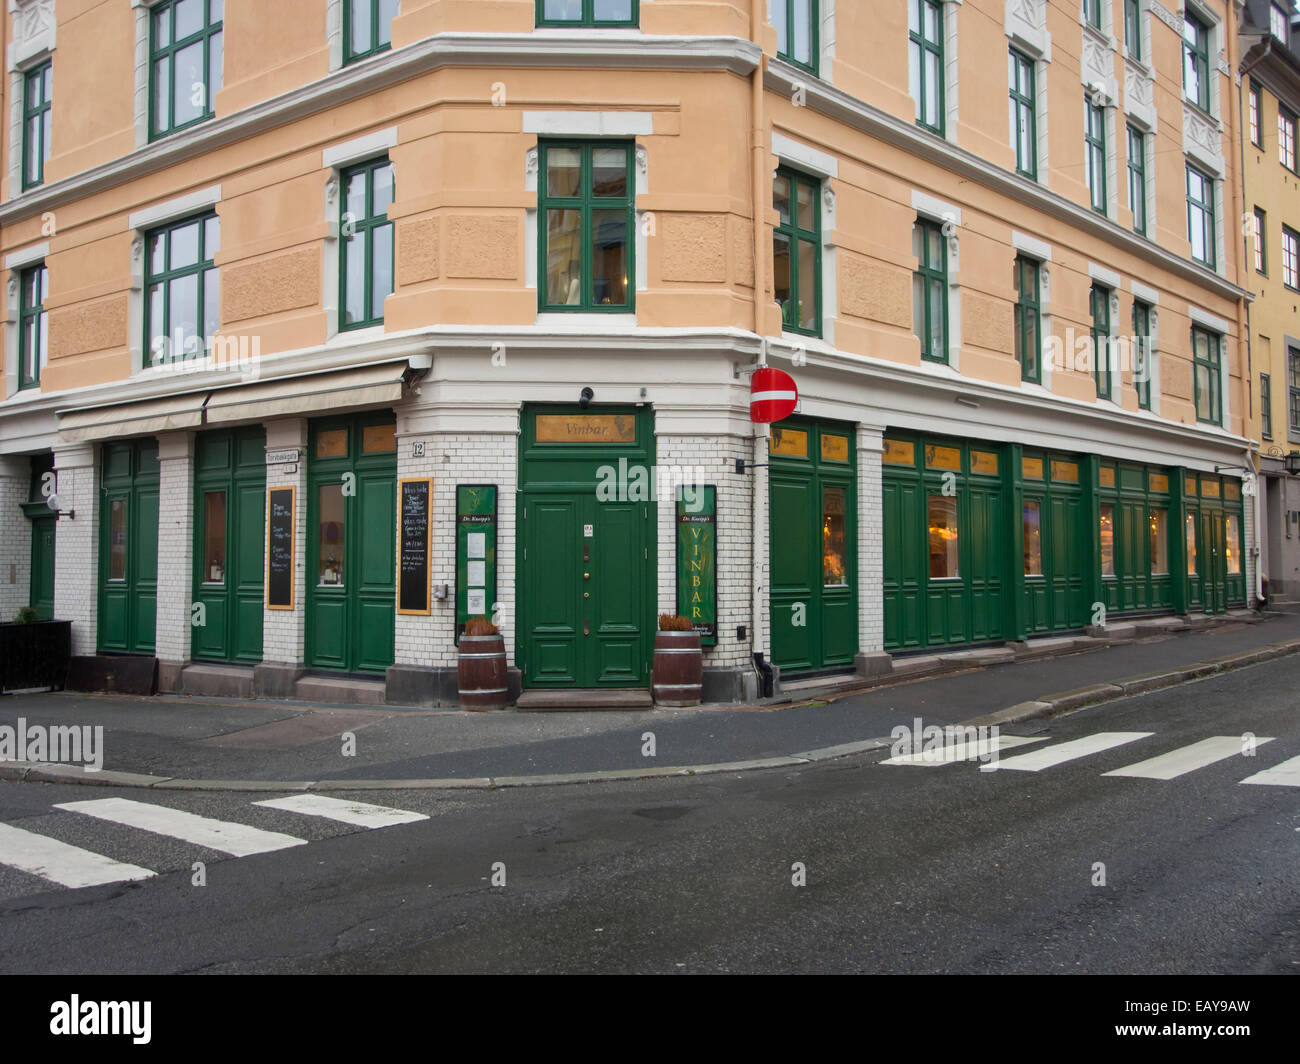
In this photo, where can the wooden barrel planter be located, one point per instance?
(481, 672)
(678, 675)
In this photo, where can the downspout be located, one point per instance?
(758, 508)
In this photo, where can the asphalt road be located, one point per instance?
(908, 869)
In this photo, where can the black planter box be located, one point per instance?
(35, 655)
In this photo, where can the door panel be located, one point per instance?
(614, 648)
(794, 616)
(552, 549)
(128, 548)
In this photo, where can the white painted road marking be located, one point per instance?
(1048, 756)
(238, 840)
(1286, 774)
(69, 866)
(962, 751)
(360, 814)
(1186, 759)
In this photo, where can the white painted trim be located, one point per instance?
(358, 149)
(1209, 321)
(1031, 246)
(1144, 293)
(589, 123)
(805, 156)
(1105, 276)
(334, 32)
(176, 208)
(583, 323)
(28, 255)
(934, 208)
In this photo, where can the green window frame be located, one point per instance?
(1137, 179)
(1142, 353)
(182, 303)
(1092, 13)
(365, 242)
(1293, 390)
(1028, 319)
(1099, 297)
(1255, 124)
(797, 251)
(597, 13)
(33, 328)
(367, 28)
(1022, 104)
(184, 35)
(586, 192)
(930, 290)
(1201, 229)
(1196, 61)
(1290, 258)
(1133, 28)
(1094, 135)
(38, 90)
(1207, 385)
(1259, 237)
(1286, 138)
(1266, 406)
(925, 62)
(797, 32)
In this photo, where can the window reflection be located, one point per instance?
(214, 537)
(834, 570)
(1107, 539)
(943, 537)
(1031, 524)
(332, 536)
(1159, 533)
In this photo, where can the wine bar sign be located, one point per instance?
(476, 552)
(697, 561)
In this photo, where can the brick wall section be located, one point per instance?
(283, 630)
(871, 549)
(76, 567)
(175, 545)
(15, 536)
(716, 455)
(1249, 541)
(453, 458)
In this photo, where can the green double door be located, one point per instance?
(1207, 576)
(586, 557)
(128, 547)
(1055, 546)
(229, 537)
(813, 601)
(351, 543)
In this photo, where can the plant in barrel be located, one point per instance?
(678, 675)
(481, 670)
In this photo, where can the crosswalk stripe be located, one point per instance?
(360, 814)
(69, 866)
(962, 751)
(1048, 756)
(1287, 774)
(1186, 759)
(238, 840)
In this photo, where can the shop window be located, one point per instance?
(1107, 539)
(214, 537)
(1032, 530)
(796, 251)
(1232, 544)
(586, 199)
(185, 59)
(930, 290)
(366, 277)
(834, 570)
(117, 540)
(796, 24)
(333, 535)
(367, 28)
(926, 62)
(943, 538)
(1159, 535)
(587, 12)
(1190, 535)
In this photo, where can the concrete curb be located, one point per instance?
(1045, 706)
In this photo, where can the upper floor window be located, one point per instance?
(1201, 230)
(796, 251)
(925, 61)
(185, 60)
(33, 332)
(587, 12)
(1290, 257)
(37, 95)
(367, 28)
(1293, 390)
(1137, 179)
(585, 201)
(1095, 148)
(1254, 115)
(1285, 138)
(1028, 318)
(1196, 61)
(1133, 28)
(1206, 376)
(796, 32)
(182, 289)
(1023, 127)
(1092, 13)
(1142, 353)
(1278, 23)
(1101, 347)
(366, 277)
(1258, 226)
(1266, 406)
(930, 289)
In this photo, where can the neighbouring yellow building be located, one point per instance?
(332, 323)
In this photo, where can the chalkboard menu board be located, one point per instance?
(414, 540)
(476, 553)
(697, 560)
(279, 547)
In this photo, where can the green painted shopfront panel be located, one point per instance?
(128, 547)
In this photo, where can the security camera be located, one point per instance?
(584, 400)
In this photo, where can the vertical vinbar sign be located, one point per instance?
(697, 560)
(476, 552)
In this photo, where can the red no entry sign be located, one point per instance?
(773, 395)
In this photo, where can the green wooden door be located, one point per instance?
(128, 547)
(1214, 576)
(41, 593)
(351, 543)
(229, 534)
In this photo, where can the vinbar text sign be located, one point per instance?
(280, 512)
(414, 544)
(697, 562)
(476, 552)
(586, 428)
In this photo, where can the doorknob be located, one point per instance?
(586, 594)
(586, 576)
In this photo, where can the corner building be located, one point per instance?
(278, 270)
